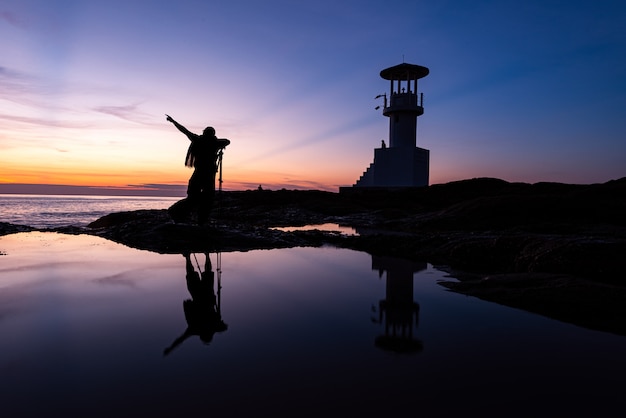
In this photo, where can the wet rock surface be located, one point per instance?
(7, 228)
(551, 248)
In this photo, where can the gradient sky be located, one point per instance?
(524, 91)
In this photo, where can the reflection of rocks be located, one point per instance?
(485, 226)
(564, 297)
(597, 256)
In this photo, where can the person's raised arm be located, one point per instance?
(180, 127)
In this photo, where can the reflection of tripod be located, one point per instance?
(207, 267)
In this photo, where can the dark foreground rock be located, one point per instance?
(6, 228)
(551, 248)
(154, 230)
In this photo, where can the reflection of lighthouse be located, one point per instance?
(402, 163)
(398, 308)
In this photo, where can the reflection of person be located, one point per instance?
(202, 155)
(202, 311)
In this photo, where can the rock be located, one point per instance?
(154, 230)
(6, 228)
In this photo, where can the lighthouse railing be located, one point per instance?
(406, 99)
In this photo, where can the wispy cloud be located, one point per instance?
(315, 139)
(129, 113)
(14, 82)
(46, 122)
(11, 18)
(177, 188)
(28, 91)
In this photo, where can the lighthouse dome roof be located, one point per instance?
(404, 71)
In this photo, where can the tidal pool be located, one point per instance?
(327, 227)
(93, 328)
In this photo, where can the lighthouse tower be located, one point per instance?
(399, 162)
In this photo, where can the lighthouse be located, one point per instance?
(399, 162)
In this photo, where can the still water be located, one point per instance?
(93, 328)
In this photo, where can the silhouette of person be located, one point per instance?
(382, 144)
(202, 311)
(202, 155)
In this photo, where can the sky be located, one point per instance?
(522, 91)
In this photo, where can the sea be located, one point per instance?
(53, 211)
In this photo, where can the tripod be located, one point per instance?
(220, 154)
(218, 168)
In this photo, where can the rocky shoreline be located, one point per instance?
(550, 248)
